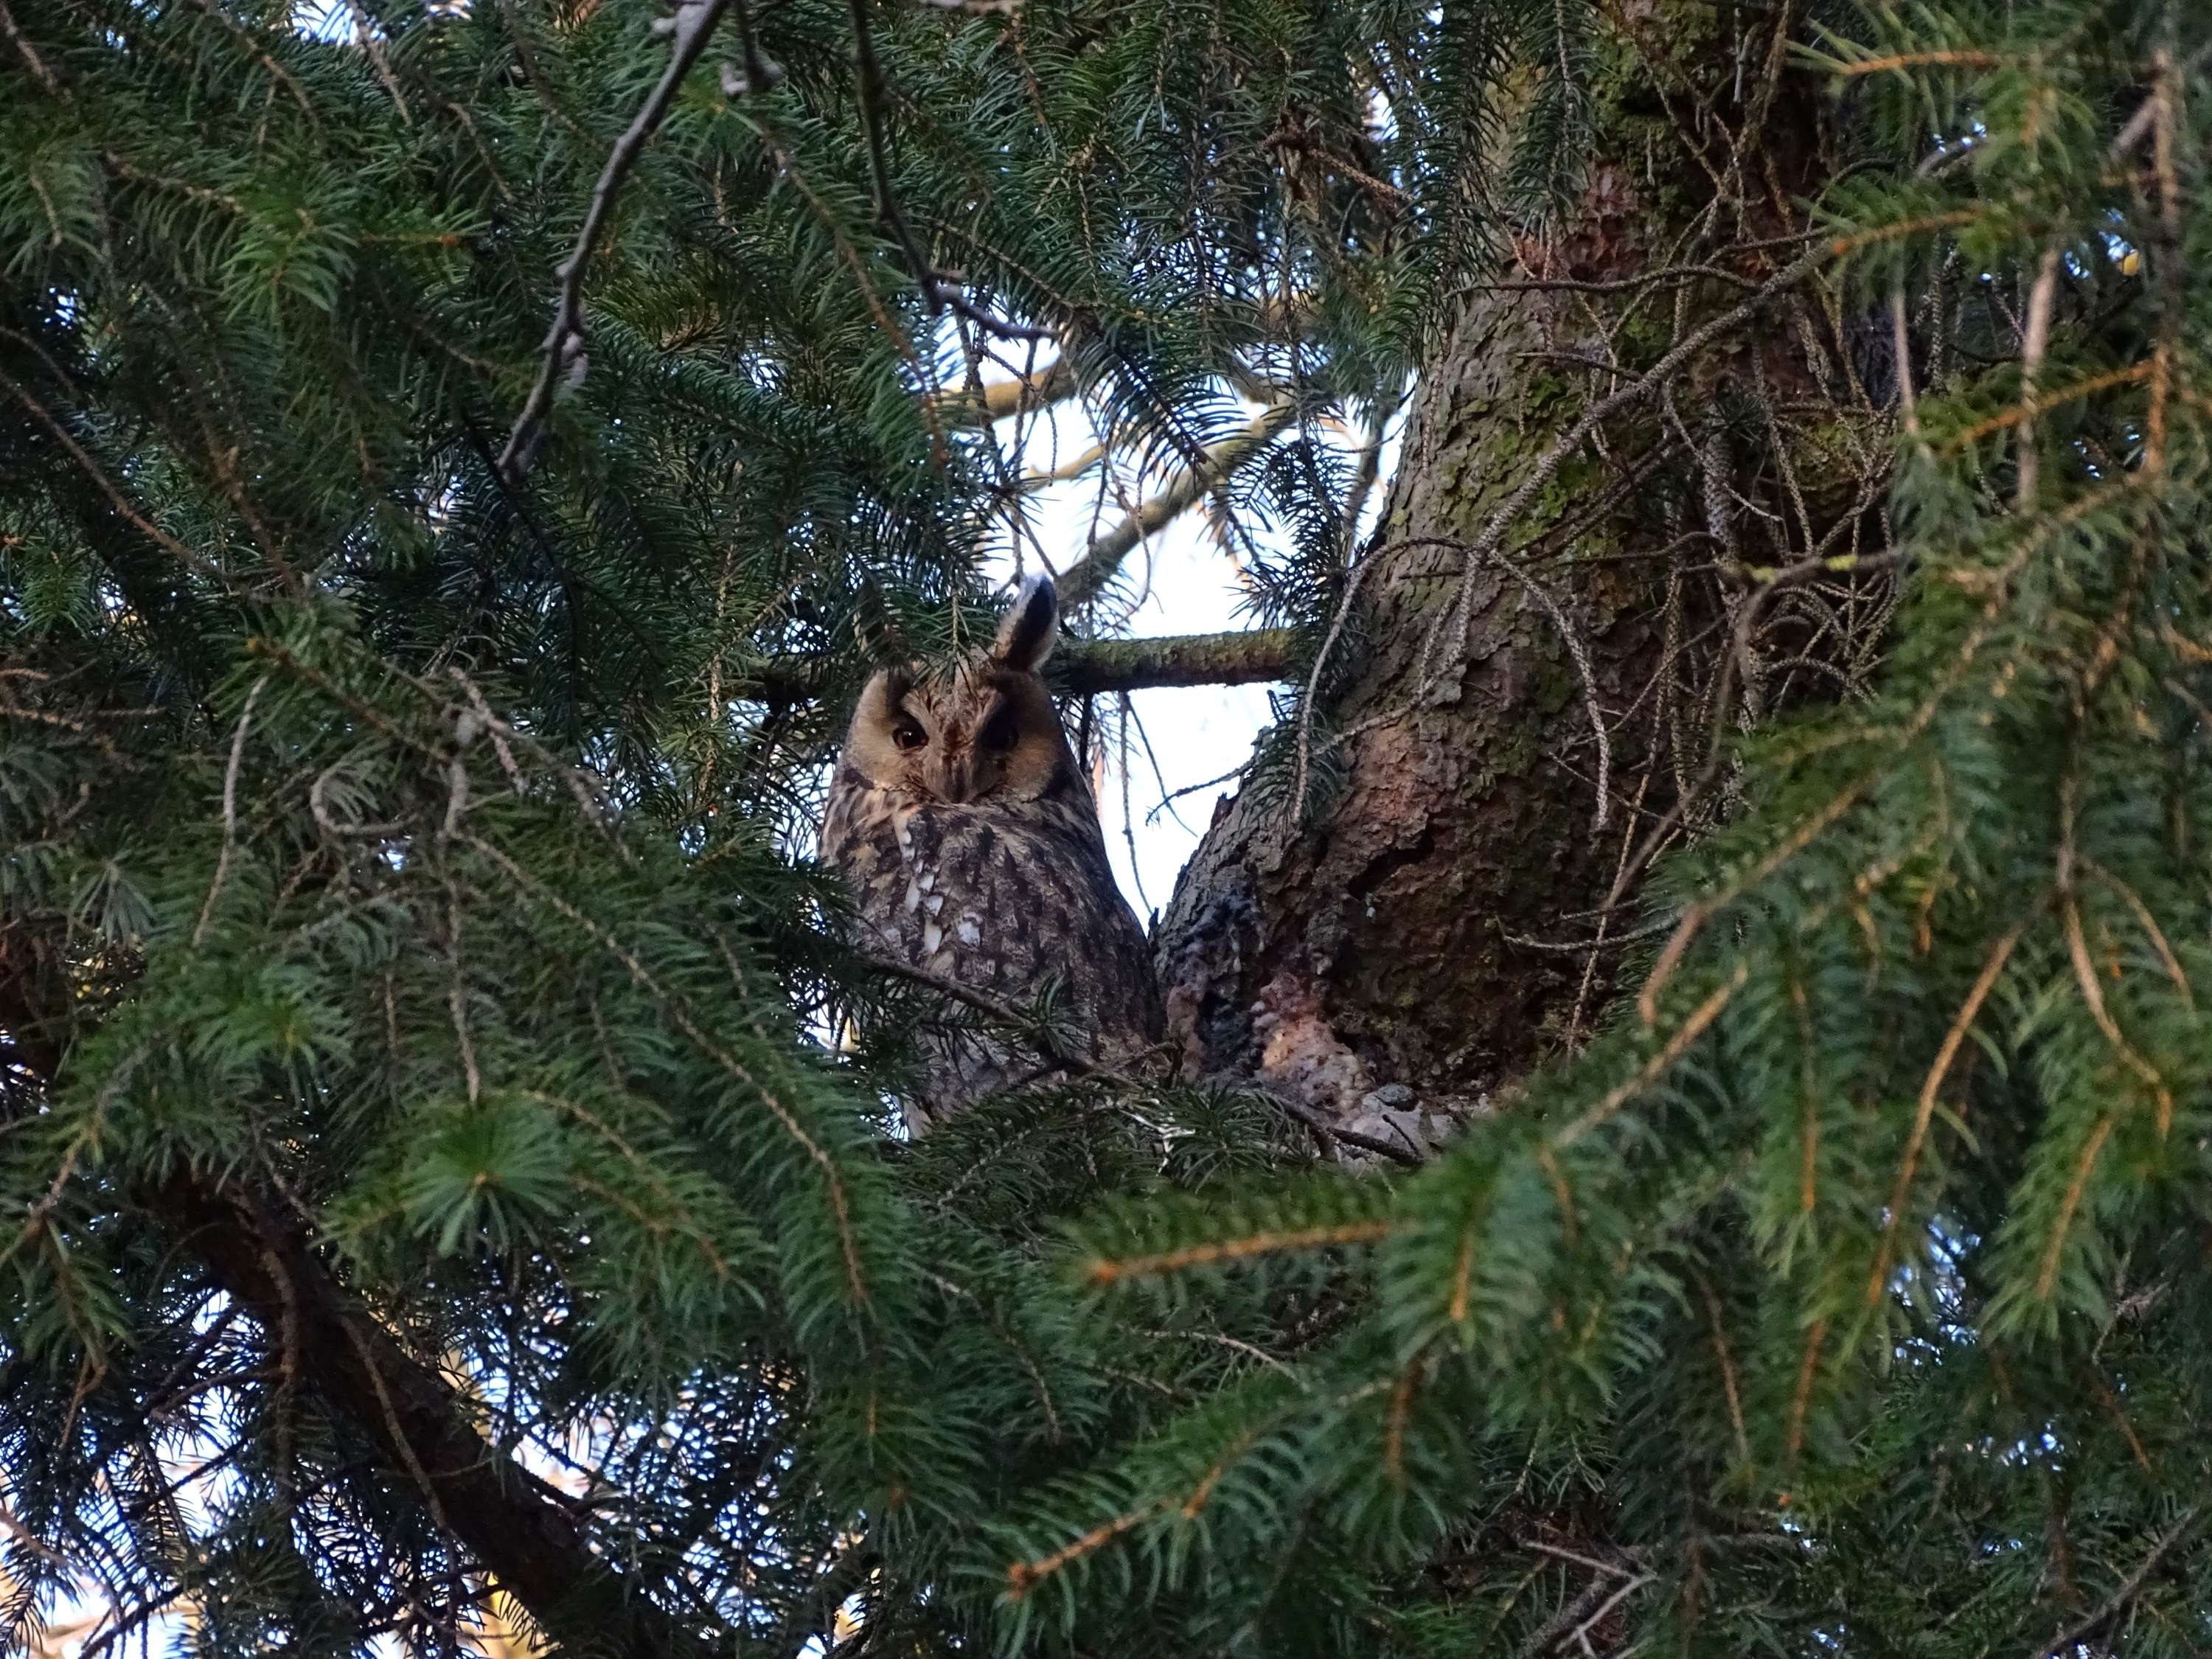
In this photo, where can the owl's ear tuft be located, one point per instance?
(1025, 637)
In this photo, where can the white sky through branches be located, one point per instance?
(1186, 580)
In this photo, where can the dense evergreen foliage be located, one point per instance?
(411, 973)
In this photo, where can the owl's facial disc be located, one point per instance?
(984, 734)
(983, 737)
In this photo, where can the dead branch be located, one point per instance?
(1083, 582)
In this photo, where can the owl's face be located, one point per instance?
(987, 733)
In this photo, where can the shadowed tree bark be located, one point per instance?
(1523, 588)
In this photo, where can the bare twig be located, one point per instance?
(2035, 341)
(1453, 624)
(1239, 657)
(1596, 1565)
(758, 72)
(1313, 676)
(1581, 1632)
(564, 348)
(1326, 1130)
(1772, 583)
(1668, 275)
(1537, 590)
(229, 811)
(1907, 401)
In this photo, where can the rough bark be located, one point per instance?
(1379, 942)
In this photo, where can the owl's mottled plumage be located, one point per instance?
(961, 824)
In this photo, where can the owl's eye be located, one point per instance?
(907, 735)
(1001, 731)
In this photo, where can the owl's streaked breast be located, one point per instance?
(997, 896)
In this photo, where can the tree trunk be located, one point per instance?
(1406, 933)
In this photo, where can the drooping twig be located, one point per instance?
(1336, 622)
(564, 354)
(1537, 590)
(942, 289)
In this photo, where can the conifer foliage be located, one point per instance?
(454, 459)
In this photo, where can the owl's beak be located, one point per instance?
(956, 777)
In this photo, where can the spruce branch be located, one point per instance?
(564, 348)
(122, 504)
(229, 811)
(1047, 1043)
(521, 1528)
(2129, 1587)
(260, 54)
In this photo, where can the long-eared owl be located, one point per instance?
(964, 828)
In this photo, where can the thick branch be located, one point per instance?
(514, 1523)
(1083, 581)
(1250, 657)
(1240, 657)
(1055, 383)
